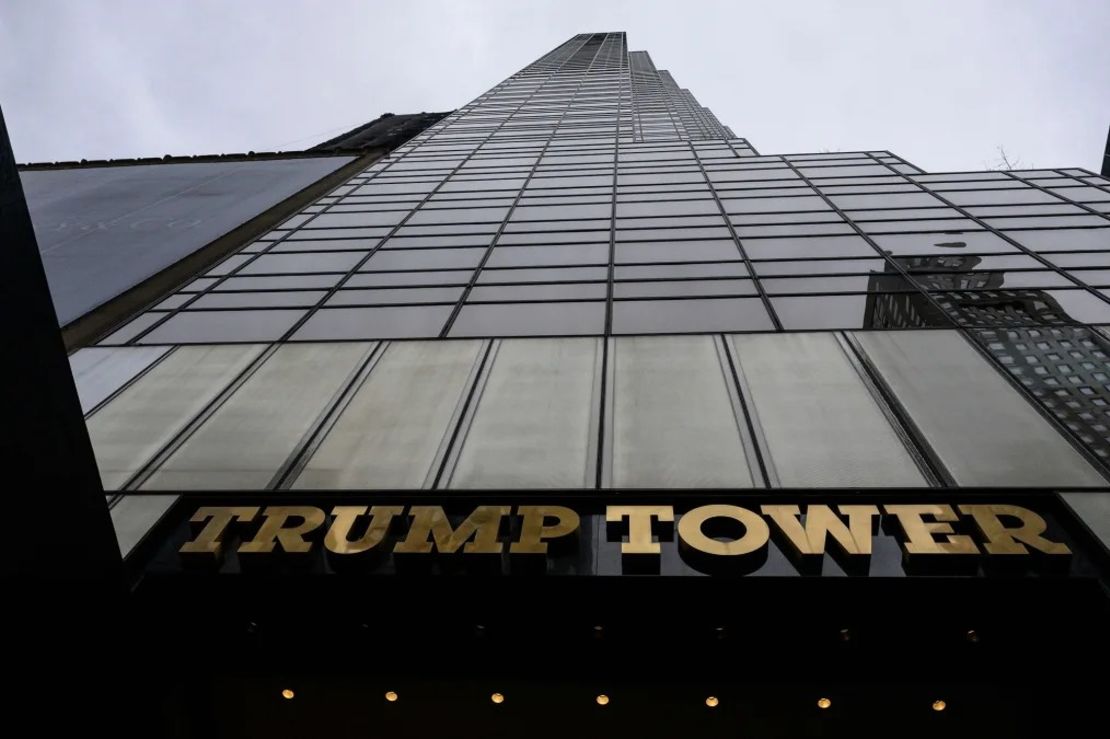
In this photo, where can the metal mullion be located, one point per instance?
(736, 240)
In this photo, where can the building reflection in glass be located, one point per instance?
(1063, 364)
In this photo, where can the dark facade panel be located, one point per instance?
(103, 230)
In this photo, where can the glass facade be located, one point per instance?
(582, 279)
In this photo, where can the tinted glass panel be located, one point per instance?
(690, 315)
(663, 271)
(322, 262)
(256, 299)
(529, 319)
(592, 291)
(1080, 239)
(667, 288)
(678, 251)
(551, 274)
(808, 248)
(399, 259)
(828, 311)
(397, 295)
(208, 327)
(530, 256)
(411, 321)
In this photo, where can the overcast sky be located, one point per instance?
(942, 84)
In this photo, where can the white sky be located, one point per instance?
(942, 84)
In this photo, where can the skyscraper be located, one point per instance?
(578, 332)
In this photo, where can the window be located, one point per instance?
(536, 418)
(137, 423)
(389, 322)
(530, 319)
(690, 315)
(821, 425)
(214, 326)
(983, 431)
(98, 372)
(674, 423)
(252, 434)
(394, 430)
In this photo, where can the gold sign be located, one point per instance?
(712, 533)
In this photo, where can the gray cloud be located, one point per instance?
(941, 83)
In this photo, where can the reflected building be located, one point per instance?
(1063, 364)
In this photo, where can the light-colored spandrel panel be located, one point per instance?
(673, 420)
(389, 434)
(532, 426)
(135, 515)
(1094, 510)
(982, 429)
(821, 425)
(252, 434)
(138, 422)
(100, 371)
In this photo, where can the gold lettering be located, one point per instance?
(755, 535)
(640, 518)
(273, 530)
(920, 533)
(1004, 540)
(211, 538)
(533, 532)
(482, 524)
(336, 540)
(855, 538)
